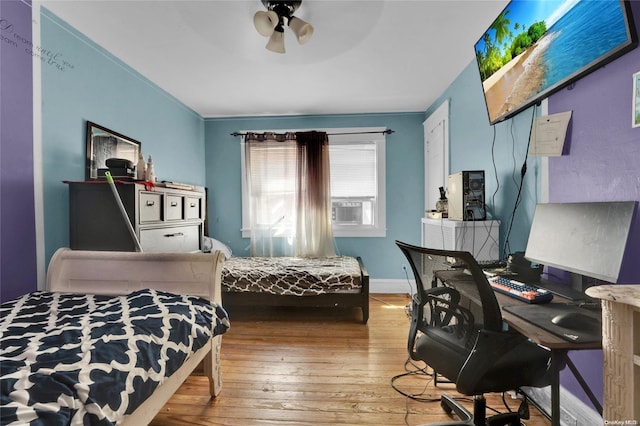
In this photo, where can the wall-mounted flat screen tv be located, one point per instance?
(535, 47)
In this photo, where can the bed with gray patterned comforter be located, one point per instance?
(92, 359)
(295, 281)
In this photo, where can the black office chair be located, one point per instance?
(456, 329)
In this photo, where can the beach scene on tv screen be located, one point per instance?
(535, 46)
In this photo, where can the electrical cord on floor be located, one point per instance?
(504, 401)
(421, 371)
(416, 371)
(418, 396)
(380, 300)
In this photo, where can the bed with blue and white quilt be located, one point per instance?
(76, 357)
(95, 359)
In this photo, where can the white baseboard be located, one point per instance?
(399, 286)
(573, 411)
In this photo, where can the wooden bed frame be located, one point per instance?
(327, 300)
(120, 273)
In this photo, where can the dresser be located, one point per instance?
(165, 220)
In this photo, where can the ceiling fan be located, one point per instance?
(271, 23)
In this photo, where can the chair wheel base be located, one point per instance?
(445, 407)
(465, 418)
(506, 419)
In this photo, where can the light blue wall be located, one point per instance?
(499, 150)
(91, 84)
(404, 170)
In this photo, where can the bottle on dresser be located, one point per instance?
(141, 168)
(151, 173)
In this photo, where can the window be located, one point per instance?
(275, 169)
(357, 182)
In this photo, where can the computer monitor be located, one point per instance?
(584, 238)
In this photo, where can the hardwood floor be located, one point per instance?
(288, 366)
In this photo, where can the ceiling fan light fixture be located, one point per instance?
(272, 22)
(276, 41)
(302, 29)
(265, 22)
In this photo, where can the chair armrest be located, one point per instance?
(439, 291)
(433, 297)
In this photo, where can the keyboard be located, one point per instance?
(484, 264)
(518, 290)
(491, 264)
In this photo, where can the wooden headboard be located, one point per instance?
(117, 273)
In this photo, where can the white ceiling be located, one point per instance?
(364, 56)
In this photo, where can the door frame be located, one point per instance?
(440, 117)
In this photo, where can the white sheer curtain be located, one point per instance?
(270, 166)
(290, 212)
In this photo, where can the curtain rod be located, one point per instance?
(386, 132)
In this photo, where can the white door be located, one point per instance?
(436, 154)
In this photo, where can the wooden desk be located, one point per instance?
(558, 346)
(537, 334)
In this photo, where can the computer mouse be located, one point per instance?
(575, 320)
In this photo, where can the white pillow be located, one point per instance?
(210, 245)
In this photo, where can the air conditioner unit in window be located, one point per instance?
(346, 212)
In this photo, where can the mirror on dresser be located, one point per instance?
(103, 144)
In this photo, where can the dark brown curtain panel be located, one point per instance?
(314, 234)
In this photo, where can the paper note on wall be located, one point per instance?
(548, 134)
